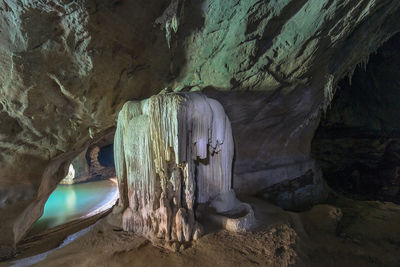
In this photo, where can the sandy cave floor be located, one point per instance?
(344, 233)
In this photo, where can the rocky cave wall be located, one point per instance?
(98, 168)
(67, 67)
(93, 164)
(358, 141)
(89, 165)
(274, 66)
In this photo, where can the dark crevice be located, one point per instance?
(358, 142)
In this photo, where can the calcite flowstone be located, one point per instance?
(172, 151)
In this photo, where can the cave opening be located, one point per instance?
(358, 141)
(106, 156)
(88, 190)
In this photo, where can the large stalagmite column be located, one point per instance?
(172, 151)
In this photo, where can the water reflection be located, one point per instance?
(69, 202)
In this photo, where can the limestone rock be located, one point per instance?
(173, 151)
(274, 66)
(81, 166)
(322, 217)
(67, 67)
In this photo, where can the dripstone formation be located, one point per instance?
(172, 151)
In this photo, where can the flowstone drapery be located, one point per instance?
(172, 152)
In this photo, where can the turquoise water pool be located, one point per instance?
(70, 202)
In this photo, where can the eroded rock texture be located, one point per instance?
(296, 52)
(93, 164)
(67, 67)
(172, 151)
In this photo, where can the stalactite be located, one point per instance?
(170, 19)
(171, 151)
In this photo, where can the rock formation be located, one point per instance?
(95, 162)
(87, 167)
(67, 67)
(98, 171)
(173, 152)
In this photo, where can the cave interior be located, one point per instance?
(200, 133)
